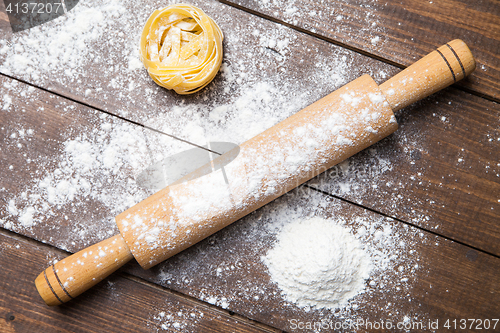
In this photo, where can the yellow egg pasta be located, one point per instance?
(181, 47)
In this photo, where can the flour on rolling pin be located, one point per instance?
(267, 166)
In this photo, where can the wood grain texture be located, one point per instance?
(432, 279)
(35, 125)
(438, 172)
(120, 304)
(400, 31)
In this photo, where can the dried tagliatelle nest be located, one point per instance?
(181, 47)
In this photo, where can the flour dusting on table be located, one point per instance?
(87, 175)
(99, 165)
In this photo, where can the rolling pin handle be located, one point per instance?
(448, 64)
(73, 275)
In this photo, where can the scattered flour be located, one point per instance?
(311, 16)
(64, 43)
(176, 316)
(96, 166)
(318, 264)
(81, 175)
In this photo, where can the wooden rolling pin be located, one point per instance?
(267, 166)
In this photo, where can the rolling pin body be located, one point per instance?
(267, 166)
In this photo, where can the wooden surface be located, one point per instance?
(434, 184)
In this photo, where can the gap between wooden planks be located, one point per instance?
(449, 272)
(398, 32)
(441, 112)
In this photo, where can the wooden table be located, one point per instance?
(434, 184)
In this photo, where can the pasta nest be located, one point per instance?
(181, 48)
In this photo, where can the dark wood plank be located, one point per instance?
(35, 127)
(429, 279)
(400, 31)
(120, 304)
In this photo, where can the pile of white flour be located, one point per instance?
(318, 263)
